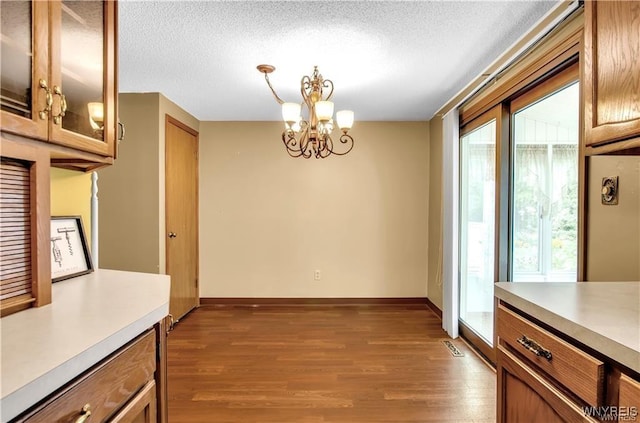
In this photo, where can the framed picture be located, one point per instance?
(69, 252)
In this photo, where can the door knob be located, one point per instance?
(172, 235)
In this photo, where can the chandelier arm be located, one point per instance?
(344, 139)
(327, 83)
(278, 99)
(305, 88)
(304, 138)
(290, 142)
(306, 146)
(325, 151)
(289, 139)
(308, 153)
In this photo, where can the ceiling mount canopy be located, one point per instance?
(309, 135)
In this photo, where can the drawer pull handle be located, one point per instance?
(534, 347)
(84, 414)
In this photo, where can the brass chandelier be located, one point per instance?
(311, 136)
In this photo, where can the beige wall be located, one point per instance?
(435, 212)
(613, 242)
(267, 221)
(128, 191)
(131, 192)
(71, 196)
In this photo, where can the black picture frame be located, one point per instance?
(70, 255)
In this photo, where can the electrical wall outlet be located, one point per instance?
(316, 275)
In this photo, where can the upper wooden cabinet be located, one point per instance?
(611, 73)
(59, 60)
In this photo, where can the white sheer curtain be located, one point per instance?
(450, 197)
(530, 202)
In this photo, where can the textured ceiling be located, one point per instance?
(388, 60)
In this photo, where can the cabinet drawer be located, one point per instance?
(629, 397)
(581, 373)
(106, 388)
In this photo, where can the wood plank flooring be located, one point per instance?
(322, 364)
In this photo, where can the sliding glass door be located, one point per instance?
(518, 196)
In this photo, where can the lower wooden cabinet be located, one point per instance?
(545, 376)
(525, 396)
(141, 409)
(629, 399)
(120, 389)
(578, 371)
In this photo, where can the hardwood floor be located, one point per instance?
(355, 364)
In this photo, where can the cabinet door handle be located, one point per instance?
(172, 234)
(534, 347)
(57, 119)
(121, 126)
(48, 101)
(85, 413)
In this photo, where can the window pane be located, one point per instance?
(545, 189)
(477, 228)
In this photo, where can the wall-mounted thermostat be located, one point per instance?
(610, 190)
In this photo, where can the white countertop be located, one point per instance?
(90, 317)
(602, 315)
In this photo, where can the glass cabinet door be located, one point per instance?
(83, 51)
(23, 68)
(81, 66)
